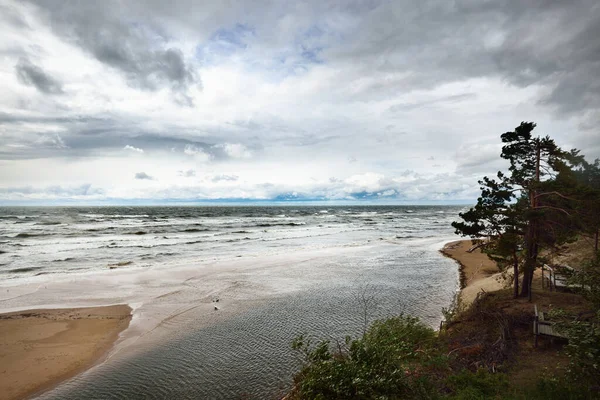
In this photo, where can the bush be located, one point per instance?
(584, 350)
(394, 359)
(557, 388)
(400, 358)
(589, 279)
(468, 385)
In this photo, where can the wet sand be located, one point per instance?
(477, 271)
(41, 348)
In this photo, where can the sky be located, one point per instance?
(379, 101)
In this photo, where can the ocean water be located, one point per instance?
(219, 293)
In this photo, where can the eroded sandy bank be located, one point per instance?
(477, 271)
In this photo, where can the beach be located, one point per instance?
(217, 293)
(478, 273)
(40, 348)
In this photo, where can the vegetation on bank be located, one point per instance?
(485, 352)
(549, 199)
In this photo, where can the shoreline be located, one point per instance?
(152, 307)
(477, 272)
(41, 348)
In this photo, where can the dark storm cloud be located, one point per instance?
(81, 135)
(138, 49)
(422, 104)
(6, 118)
(13, 17)
(115, 135)
(556, 44)
(32, 75)
(548, 42)
(88, 135)
(551, 43)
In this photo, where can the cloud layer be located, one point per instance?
(280, 101)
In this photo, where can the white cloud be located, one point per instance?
(53, 140)
(188, 174)
(235, 150)
(131, 148)
(197, 153)
(369, 181)
(191, 150)
(224, 178)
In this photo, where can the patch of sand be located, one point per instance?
(40, 348)
(477, 271)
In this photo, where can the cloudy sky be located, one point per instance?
(396, 101)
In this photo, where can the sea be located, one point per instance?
(220, 292)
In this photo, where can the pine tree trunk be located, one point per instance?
(530, 253)
(515, 274)
(527, 264)
(531, 238)
(530, 285)
(525, 286)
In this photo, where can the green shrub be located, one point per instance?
(400, 358)
(587, 280)
(584, 350)
(394, 359)
(557, 388)
(468, 385)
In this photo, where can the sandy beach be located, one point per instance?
(477, 271)
(40, 348)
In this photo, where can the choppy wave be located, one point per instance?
(94, 235)
(28, 235)
(20, 270)
(264, 225)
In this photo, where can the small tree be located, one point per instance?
(497, 220)
(367, 302)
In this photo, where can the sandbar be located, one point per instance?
(41, 348)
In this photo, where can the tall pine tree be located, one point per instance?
(517, 209)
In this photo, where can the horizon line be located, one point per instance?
(229, 202)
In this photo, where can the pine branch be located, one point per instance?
(552, 208)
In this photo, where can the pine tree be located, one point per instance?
(519, 211)
(497, 220)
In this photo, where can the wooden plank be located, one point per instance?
(543, 327)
